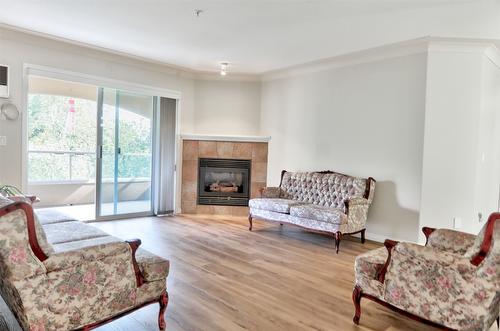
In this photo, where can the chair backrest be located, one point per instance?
(325, 188)
(485, 252)
(20, 253)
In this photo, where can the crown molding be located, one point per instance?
(374, 54)
(415, 46)
(47, 40)
(489, 47)
(486, 47)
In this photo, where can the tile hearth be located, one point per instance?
(193, 150)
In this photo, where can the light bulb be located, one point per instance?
(223, 68)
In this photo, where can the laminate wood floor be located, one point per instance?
(224, 277)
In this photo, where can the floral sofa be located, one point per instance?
(61, 274)
(452, 283)
(323, 201)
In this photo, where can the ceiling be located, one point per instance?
(255, 36)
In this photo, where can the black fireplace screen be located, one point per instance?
(224, 182)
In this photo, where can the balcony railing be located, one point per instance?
(50, 167)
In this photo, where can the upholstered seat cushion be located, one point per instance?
(276, 205)
(366, 267)
(370, 263)
(319, 213)
(51, 216)
(71, 231)
(152, 266)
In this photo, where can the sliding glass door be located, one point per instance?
(124, 153)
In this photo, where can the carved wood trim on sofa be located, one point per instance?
(358, 293)
(337, 235)
(163, 301)
(30, 220)
(134, 245)
(487, 240)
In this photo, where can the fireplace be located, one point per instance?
(223, 182)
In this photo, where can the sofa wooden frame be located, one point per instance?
(134, 245)
(358, 293)
(337, 236)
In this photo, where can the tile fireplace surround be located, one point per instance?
(242, 148)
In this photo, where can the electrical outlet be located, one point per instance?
(3, 140)
(457, 222)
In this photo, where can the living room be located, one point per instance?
(323, 127)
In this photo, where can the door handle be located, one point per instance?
(119, 150)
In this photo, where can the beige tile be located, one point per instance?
(240, 211)
(188, 196)
(190, 150)
(190, 187)
(223, 210)
(188, 207)
(255, 189)
(205, 209)
(259, 171)
(189, 171)
(207, 149)
(225, 149)
(243, 151)
(259, 152)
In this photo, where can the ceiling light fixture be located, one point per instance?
(223, 68)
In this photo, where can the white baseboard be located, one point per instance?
(380, 237)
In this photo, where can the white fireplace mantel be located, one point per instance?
(205, 137)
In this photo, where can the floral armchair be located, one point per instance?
(453, 282)
(76, 285)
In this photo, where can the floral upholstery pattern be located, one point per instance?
(277, 205)
(303, 222)
(42, 238)
(271, 192)
(322, 189)
(58, 233)
(153, 267)
(48, 216)
(366, 267)
(310, 199)
(438, 282)
(319, 213)
(451, 241)
(83, 281)
(356, 215)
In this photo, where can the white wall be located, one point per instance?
(488, 155)
(461, 149)
(364, 120)
(227, 108)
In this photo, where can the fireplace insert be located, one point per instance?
(224, 182)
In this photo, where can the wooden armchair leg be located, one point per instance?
(163, 306)
(338, 237)
(363, 236)
(356, 299)
(250, 223)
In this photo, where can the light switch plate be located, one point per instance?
(3, 140)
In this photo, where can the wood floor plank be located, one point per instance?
(224, 277)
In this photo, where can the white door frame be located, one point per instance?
(98, 81)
